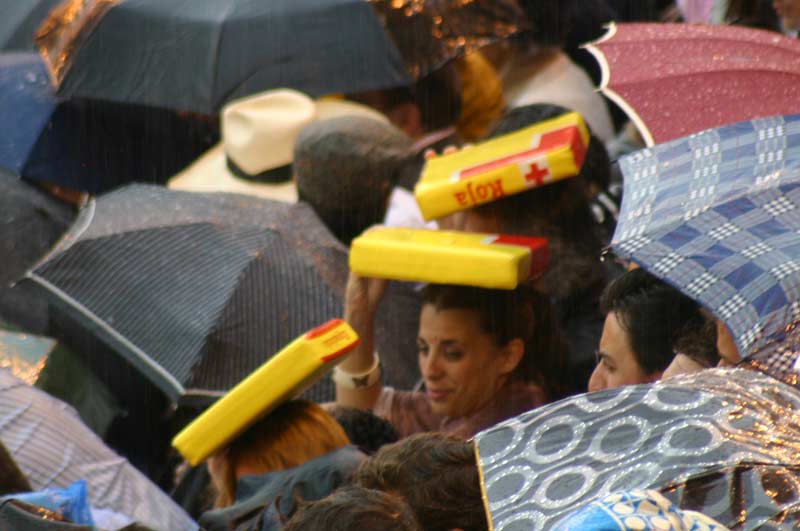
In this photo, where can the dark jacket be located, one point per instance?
(260, 498)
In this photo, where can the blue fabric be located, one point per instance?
(636, 510)
(725, 229)
(91, 146)
(26, 104)
(71, 502)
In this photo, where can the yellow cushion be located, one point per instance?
(286, 375)
(509, 164)
(442, 257)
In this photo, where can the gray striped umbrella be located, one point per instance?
(195, 291)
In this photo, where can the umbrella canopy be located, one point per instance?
(89, 146)
(543, 465)
(53, 448)
(198, 290)
(454, 26)
(198, 55)
(717, 214)
(677, 79)
(20, 20)
(31, 221)
(195, 290)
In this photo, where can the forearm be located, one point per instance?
(359, 361)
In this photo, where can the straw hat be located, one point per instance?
(258, 137)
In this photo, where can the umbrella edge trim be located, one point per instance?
(80, 226)
(169, 379)
(605, 78)
(482, 482)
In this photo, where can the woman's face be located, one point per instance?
(616, 364)
(460, 363)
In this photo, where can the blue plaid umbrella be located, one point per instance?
(717, 214)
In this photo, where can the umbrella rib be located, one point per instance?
(170, 379)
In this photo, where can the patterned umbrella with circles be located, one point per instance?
(723, 442)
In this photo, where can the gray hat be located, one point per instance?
(348, 161)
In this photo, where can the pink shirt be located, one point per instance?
(410, 412)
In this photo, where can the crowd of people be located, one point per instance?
(400, 457)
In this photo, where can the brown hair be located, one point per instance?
(436, 474)
(522, 313)
(292, 434)
(354, 507)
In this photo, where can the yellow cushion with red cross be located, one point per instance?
(485, 260)
(506, 165)
(286, 375)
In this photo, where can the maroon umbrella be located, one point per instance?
(678, 79)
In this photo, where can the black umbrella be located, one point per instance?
(194, 290)
(31, 221)
(198, 55)
(20, 20)
(429, 33)
(197, 290)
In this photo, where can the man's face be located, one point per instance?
(726, 346)
(617, 364)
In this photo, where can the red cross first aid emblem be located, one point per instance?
(532, 162)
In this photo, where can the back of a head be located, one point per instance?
(563, 205)
(522, 313)
(294, 433)
(356, 508)
(655, 316)
(364, 428)
(345, 169)
(436, 474)
(559, 211)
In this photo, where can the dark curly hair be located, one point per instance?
(658, 320)
(364, 428)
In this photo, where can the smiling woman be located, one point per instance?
(484, 356)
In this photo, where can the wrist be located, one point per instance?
(358, 380)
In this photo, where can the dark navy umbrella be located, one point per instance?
(198, 55)
(20, 20)
(717, 214)
(89, 146)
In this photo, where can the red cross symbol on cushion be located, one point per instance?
(535, 173)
